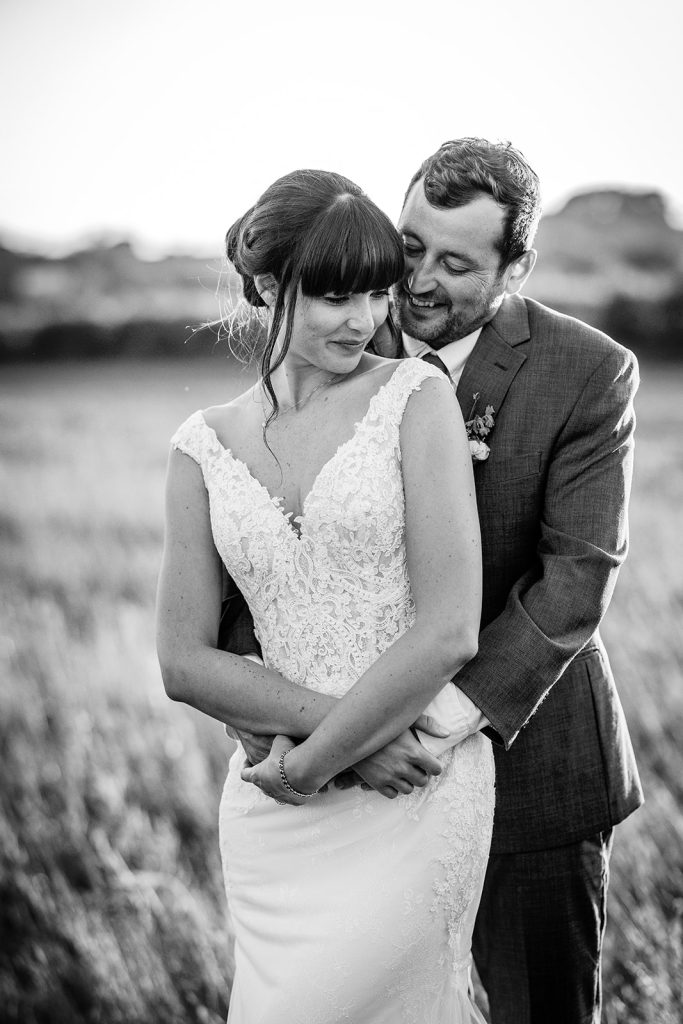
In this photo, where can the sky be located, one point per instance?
(162, 121)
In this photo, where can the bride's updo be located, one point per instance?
(318, 231)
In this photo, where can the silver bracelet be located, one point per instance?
(285, 781)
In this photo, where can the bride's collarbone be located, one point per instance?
(289, 465)
(300, 448)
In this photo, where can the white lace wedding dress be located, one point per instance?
(353, 907)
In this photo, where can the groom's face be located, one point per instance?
(453, 281)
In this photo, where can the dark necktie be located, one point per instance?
(431, 357)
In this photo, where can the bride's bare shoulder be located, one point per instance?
(377, 370)
(223, 419)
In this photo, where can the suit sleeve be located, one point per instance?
(236, 629)
(554, 609)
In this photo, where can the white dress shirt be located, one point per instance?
(454, 355)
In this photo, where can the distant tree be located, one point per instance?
(72, 341)
(650, 328)
(137, 339)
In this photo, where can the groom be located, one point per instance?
(552, 497)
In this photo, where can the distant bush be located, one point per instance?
(134, 339)
(649, 328)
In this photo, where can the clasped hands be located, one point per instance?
(399, 767)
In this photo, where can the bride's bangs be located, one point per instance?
(353, 248)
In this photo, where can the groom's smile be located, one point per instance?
(420, 303)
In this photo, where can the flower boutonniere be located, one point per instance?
(479, 427)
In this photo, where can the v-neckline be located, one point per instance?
(277, 502)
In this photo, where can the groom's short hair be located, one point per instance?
(463, 169)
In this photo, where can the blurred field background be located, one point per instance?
(112, 908)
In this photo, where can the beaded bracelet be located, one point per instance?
(285, 781)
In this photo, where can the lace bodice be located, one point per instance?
(330, 596)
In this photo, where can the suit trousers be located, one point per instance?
(538, 937)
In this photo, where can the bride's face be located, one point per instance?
(332, 331)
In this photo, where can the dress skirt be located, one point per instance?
(354, 907)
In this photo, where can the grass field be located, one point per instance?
(111, 901)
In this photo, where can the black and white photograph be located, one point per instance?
(341, 475)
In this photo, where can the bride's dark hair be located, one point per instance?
(318, 231)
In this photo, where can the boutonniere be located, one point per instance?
(479, 427)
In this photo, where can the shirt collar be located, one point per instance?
(454, 355)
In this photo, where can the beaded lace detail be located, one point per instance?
(329, 593)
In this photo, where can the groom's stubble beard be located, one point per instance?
(454, 322)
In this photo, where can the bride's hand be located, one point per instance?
(266, 774)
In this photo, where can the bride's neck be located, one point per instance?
(294, 385)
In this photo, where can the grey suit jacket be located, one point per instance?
(552, 501)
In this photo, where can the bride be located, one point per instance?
(338, 493)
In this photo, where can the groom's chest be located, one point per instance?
(529, 413)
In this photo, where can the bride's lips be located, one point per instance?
(352, 342)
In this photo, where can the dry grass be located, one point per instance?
(111, 901)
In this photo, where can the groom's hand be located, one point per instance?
(398, 767)
(256, 746)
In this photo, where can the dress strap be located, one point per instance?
(192, 437)
(406, 378)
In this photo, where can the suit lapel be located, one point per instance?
(495, 359)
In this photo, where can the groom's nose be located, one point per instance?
(421, 278)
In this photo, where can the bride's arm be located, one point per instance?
(444, 566)
(226, 686)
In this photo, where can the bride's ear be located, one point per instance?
(266, 286)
